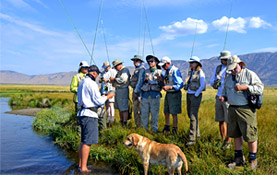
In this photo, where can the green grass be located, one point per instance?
(205, 157)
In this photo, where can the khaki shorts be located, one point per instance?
(221, 110)
(173, 102)
(242, 122)
(121, 99)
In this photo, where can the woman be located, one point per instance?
(195, 84)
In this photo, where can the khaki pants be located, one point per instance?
(150, 105)
(137, 111)
(193, 104)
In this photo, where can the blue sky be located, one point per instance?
(38, 38)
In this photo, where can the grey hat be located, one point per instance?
(225, 54)
(137, 57)
(116, 62)
(233, 61)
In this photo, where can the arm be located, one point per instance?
(213, 77)
(140, 81)
(123, 78)
(202, 84)
(178, 81)
(74, 84)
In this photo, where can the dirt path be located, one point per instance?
(28, 112)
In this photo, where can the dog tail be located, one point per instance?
(184, 159)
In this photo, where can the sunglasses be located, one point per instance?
(136, 60)
(151, 61)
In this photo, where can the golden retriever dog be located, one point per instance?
(157, 153)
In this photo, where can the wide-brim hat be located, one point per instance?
(106, 64)
(225, 55)
(148, 57)
(195, 59)
(233, 61)
(116, 62)
(137, 57)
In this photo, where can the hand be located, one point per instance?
(105, 80)
(166, 88)
(112, 78)
(110, 95)
(160, 78)
(240, 87)
(139, 98)
(222, 99)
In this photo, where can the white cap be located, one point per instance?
(164, 60)
(83, 64)
(195, 59)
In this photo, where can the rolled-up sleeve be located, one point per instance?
(178, 81)
(123, 78)
(256, 86)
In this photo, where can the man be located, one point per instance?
(136, 82)
(195, 85)
(121, 80)
(106, 87)
(221, 108)
(173, 99)
(241, 117)
(150, 96)
(76, 80)
(89, 99)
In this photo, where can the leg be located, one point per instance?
(137, 115)
(154, 109)
(253, 146)
(223, 130)
(175, 120)
(80, 154)
(145, 110)
(145, 166)
(167, 119)
(84, 157)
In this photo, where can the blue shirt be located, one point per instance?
(141, 76)
(177, 78)
(222, 79)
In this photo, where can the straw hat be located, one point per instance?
(233, 61)
(116, 62)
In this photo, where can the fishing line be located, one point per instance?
(103, 28)
(75, 27)
(146, 18)
(140, 25)
(227, 30)
(99, 15)
(194, 38)
(143, 41)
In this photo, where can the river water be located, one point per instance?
(24, 151)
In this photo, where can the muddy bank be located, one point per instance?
(28, 111)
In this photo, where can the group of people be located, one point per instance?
(232, 80)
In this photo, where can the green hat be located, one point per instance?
(116, 62)
(137, 57)
(233, 61)
(225, 55)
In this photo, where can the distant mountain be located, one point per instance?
(264, 64)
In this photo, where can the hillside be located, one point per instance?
(264, 64)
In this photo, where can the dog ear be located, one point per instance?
(135, 140)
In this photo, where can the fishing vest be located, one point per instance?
(118, 75)
(168, 80)
(135, 76)
(216, 83)
(80, 77)
(193, 80)
(150, 81)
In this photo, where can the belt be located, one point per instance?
(239, 106)
(94, 109)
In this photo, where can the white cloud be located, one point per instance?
(235, 24)
(268, 49)
(19, 3)
(184, 27)
(257, 22)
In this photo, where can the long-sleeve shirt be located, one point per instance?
(245, 77)
(202, 85)
(140, 81)
(222, 79)
(89, 96)
(177, 78)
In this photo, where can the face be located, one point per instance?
(95, 74)
(193, 65)
(152, 63)
(107, 69)
(224, 61)
(236, 70)
(84, 70)
(118, 67)
(166, 66)
(136, 62)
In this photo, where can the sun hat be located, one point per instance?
(148, 57)
(164, 60)
(137, 57)
(194, 59)
(83, 64)
(233, 61)
(106, 64)
(116, 62)
(225, 54)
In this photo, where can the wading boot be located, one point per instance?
(174, 130)
(239, 161)
(166, 129)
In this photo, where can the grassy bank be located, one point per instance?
(205, 157)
